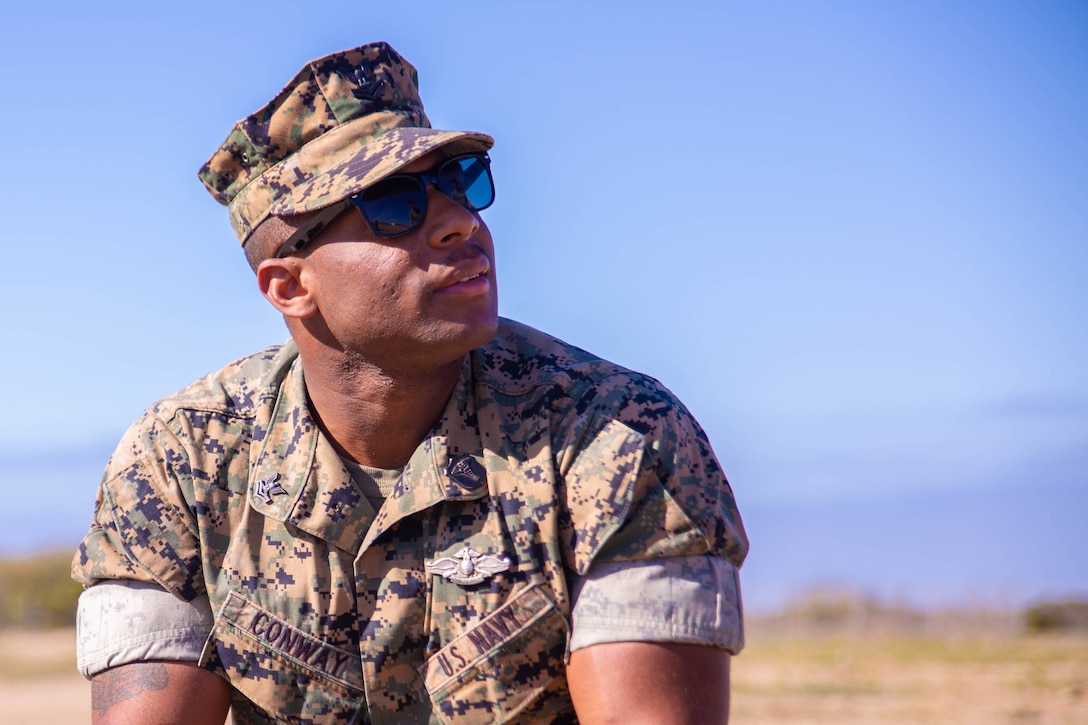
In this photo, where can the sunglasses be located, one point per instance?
(398, 204)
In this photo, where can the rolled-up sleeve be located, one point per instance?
(120, 622)
(690, 599)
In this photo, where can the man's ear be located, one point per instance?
(284, 283)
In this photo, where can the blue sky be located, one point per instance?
(852, 236)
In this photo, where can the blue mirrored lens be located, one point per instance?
(398, 204)
(467, 181)
(394, 206)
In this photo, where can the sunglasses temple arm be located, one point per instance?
(311, 228)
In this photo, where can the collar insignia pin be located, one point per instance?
(264, 489)
(468, 566)
(466, 472)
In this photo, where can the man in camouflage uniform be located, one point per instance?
(413, 511)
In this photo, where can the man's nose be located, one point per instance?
(448, 222)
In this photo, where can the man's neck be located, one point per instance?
(375, 418)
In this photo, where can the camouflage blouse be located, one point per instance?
(450, 604)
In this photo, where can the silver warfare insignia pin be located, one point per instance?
(264, 489)
(468, 566)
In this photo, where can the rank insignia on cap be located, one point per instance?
(468, 566)
(264, 489)
(368, 86)
(466, 472)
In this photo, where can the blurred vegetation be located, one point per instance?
(37, 592)
(1057, 617)
(833, 612)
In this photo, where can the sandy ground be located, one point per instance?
(1038, 680)
(38, 679)
(889, 680)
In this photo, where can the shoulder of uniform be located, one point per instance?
(520, 358)
(237, 388)
(541, 370)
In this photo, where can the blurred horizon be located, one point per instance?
(852, 237)
(1001, 547)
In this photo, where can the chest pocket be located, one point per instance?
(290, 674)
(511, 663)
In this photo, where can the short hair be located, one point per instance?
(268, 237)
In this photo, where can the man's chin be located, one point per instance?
(481, 333)
(463, 336)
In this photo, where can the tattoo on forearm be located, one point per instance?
(125, 683)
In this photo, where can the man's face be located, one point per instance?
(421, 299)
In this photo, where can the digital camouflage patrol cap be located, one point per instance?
(344, 122)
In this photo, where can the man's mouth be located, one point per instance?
(473, 281)
(469, 277)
